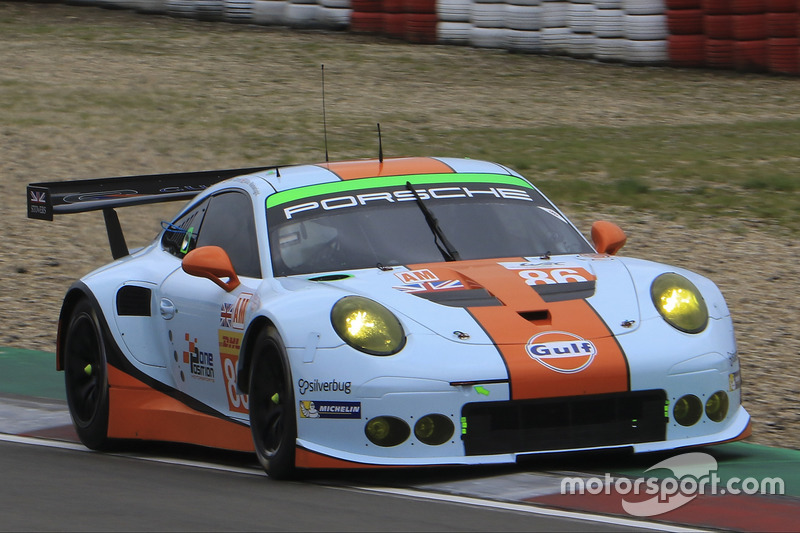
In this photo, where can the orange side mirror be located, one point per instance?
(607, 237)
(211, 262)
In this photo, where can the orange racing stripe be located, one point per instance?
(350, 170)
(526, 321)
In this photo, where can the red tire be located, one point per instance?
(719, 53)
(782, 24)
(749, 27)
(366, 22)
(781, 6)
(718, 27)
(686, 50)
(748, 7)
(783, 56)
(684, 4)
(750, 56)
(685, 21)
(366, 6)
(394, 25)
(394, 6)
(421, 28)
(717, 7)
(421, 6)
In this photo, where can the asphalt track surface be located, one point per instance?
(56, 489)
(51, 482)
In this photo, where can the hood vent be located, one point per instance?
(537, 317)
(560, 292)
(461, 298)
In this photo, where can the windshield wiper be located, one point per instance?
(445, 247)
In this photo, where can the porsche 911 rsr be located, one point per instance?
(398, 312)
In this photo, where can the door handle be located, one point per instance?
(167, 309)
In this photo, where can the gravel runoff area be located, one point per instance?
(756, 268)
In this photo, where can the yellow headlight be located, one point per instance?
(680, 303)
(367, 326)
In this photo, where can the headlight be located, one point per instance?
(367, 326)
(680, 303)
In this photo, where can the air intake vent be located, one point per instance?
(538, 317)
(133, 300)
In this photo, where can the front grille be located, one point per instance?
(564, 423)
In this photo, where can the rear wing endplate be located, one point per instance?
(47, 199)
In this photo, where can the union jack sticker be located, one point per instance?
(38, 197)
(226, 315)
(428, 286)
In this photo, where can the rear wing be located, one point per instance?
(47, 199)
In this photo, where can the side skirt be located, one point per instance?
(137, 411)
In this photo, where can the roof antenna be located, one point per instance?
(380, 144)
(324, 118)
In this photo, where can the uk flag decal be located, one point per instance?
(226, 315)
(428, 286)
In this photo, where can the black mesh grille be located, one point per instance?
(564, 423)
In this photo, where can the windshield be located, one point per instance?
(341, 229)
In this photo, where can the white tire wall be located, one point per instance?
(581, 17)
(302, 14)
(653, 52)
(211, 10)
(453, 10)
(555, 40)
(488, 15)
(555, 14)
(525, 18)
(181, 8)
(238, 11)
(457, 33)
(487, 37)
(151, 7)
(646, 27)
(610, 49)
(524, 41)
(609, 23)
(269, 12)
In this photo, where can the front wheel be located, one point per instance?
(272, 414)
(86, 377)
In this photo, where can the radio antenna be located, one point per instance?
(324, 118)
(380, 144)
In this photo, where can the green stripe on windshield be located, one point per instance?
(291, 195)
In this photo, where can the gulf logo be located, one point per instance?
(560, 351)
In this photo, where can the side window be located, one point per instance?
(180, 236)
(229, 224)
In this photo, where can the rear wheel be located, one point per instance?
(86, 377)
(272, 414)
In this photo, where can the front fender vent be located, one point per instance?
(133, 300)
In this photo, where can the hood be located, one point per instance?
(526, 295)
(563, 312)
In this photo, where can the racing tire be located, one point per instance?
(272, 414)
(86, 377)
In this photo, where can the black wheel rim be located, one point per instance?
(269, 407)
(83, 370)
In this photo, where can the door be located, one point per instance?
(205, 323)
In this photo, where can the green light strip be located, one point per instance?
(300, 193)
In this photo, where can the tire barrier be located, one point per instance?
(743, 35)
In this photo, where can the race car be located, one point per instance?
(384, 313)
